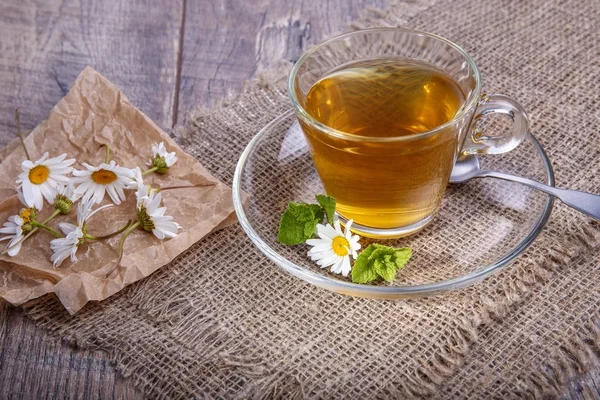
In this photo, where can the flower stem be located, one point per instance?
(18, 122)
(34, 230)
(46, 227)
(107, 158)
(122, 242)
(110, 234)
(149, 171)
(51, 217)
(181, 187)
(20, 241)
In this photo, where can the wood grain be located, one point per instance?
(34, 367)
(227, 42)
(44, 45)
(168, 58)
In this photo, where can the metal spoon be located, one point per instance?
(467, 168)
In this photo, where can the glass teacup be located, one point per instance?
(386, 113)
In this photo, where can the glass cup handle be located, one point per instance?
(479, 142)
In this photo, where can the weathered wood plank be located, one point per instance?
(227, 42)
(43, 47)
(45, 44)
(34, 367)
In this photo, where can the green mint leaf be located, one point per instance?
(386, 270)
(402, 256)
(328, 204)
(363, 272)
(379, 261)
(298, 223)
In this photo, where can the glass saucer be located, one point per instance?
(482, 226)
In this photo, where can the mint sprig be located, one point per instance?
(299, 220)
(378, 261)
(298, 223)
(328, 204)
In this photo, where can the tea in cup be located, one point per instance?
(386, 113)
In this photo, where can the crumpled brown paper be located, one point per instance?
(93, 113)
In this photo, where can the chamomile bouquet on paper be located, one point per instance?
(54, 182)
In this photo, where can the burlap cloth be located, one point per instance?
(223, 321)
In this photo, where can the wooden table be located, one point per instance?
(168, 57)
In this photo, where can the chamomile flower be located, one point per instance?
(39, 179)
(137, 181)
(94, 182)
(162, 160)
(334, 247)
(152, 218)
(63, 248)
(13, 228)
(65, 196)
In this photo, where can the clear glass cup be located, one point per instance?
(416, 167)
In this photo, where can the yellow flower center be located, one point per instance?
(104, 177)
(25, 215)
(39, 174)
(340, 246)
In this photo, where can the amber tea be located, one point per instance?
(379, 183)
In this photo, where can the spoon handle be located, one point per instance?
(587, 203)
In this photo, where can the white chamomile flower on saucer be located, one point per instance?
(13, 228)
(63, 248)
(151, 217)
(161, 159)
(94, 182)
(39, 179)
(334, 247)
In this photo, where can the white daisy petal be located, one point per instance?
(16, 246)
(113, 194)
(326, 231)
(328, 260)
(320, 248)
(47, 193)
(120, 193)
(27, 164)
(345, 268)
(41, 160)
(66, 227)
(59, 178)
(336, 268)
(316, 242)
(28, 194)
(98, 194)
(348, 233)
(167, 228)
(38, 198)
